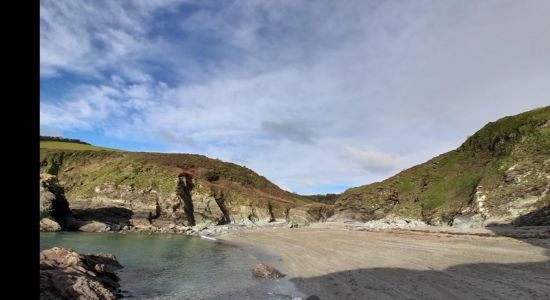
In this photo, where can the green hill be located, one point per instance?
(61, 145)
(499, 174)
(139, 189)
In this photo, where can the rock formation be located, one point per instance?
(390, 222)
(54, 208)
(115, 190)
(47, 224)
(266, 271)
(500, 175)
(65, 274)
(310, 213)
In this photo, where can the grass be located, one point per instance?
(72, 146)
(442, 186)
(436, 189)
(82, 169)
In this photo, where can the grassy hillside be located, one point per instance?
(44, 138)
(507, 160)
(82, 169)
(71, 146)
(326, 198)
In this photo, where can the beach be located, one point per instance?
(331, 261)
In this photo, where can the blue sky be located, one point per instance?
(318, 96)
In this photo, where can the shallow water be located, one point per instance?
(165, 266)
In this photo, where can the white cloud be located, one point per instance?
(373, 161)
(299, 93)
(88, 37)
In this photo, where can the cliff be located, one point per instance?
(132, 189)
(499, 175)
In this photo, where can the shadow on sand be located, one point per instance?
(468, 281)
(529, 280)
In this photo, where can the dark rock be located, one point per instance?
(66, 274)
(108, 215)
(538, 217)
(53, 204)
(266, 271)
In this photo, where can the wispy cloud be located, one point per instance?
(90, 37)
(310, 95)
(293, 130)
(373, 161)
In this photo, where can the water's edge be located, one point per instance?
(278, 288)
(175, 266)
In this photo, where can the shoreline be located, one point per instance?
(332, 261)
(284, 288)
(255, 288)
(336, 260)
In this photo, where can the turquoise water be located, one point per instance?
(165, 266)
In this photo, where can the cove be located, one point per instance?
(167, 266)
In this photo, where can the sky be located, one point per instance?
(317, 96)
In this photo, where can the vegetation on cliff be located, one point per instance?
(139, 180)
(62, 145)
(499, 175)
(44, 138)
(502, 170)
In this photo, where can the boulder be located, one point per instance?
(49, 225)
(266, 271)
(94, 226)
(292, 225)
(66, 274)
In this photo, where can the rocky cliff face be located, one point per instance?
(310, 213)
(144, 190)
(54, 208)
(500, 175)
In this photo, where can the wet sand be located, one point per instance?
(332, 262)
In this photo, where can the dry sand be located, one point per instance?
(332, 262)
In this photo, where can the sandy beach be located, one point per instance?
(332, 262)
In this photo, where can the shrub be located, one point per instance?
(212, 175)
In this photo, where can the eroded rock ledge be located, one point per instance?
(66, 274)
(193, 209)
(54, 208)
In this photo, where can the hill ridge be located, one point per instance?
(497, 175)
